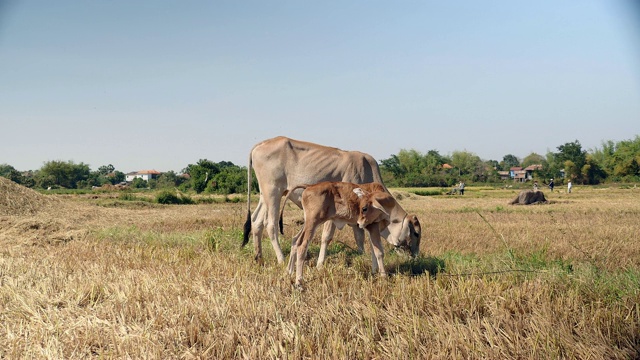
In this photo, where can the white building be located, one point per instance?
(145, 175)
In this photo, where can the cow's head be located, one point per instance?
(415, 235)
(399, 228)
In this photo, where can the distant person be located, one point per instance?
(569, 186)
(535, 186)
(551, 185)
(461, 187)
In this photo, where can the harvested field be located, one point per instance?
(98, 277)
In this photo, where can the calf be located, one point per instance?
(347, 203)
(413, 245)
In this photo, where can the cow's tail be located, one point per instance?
(288, 194)
(247, 224)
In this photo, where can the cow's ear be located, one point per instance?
(359, 192)
(377, 205)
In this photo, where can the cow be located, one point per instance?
(413, 245)
(342, 203)
(281, 163)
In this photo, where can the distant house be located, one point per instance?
(504, 175)
(515, 172)
(519, 174)
(530, 169)
(145, 175)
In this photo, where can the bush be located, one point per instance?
(169, 197)
(427, 192)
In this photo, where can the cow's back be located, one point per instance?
(286, 162)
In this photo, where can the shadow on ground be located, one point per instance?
(417, 266)
(396, 262)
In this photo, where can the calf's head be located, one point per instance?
(399, 228)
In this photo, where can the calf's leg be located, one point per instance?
(301, 250)
(328, 231)
(294, 252)
(377, 251)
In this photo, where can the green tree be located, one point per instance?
(552, 170)
(626, 159)
(534, 159)
(201, 173)
(509, 161)
(573, 152)
(592, 173)
(6, 170)
(62, 174)
(16, 176)
(570, 170)
(230, 180)
(118, 177)
(223, 177)
(415, 167)
(139, 183)
(168, 180)
(104, 175)
(106, 169)
(605, 157)
(392, 171)
(411, 168)
(468, 164)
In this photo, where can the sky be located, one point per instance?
(161, 84)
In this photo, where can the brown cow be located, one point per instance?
(346, 203)
(281, 163)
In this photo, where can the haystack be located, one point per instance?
(28, 217)
(18, 200)
(529, 197)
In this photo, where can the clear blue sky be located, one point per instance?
(161, 84)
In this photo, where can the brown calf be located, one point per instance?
(347, 203)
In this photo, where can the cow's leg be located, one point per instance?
(374, 261)
(273, 213)
(257, 226)
(358, 234)
(301, 251)
(377, 251)
(327, 235)
(294, 253)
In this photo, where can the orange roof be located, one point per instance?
(150, 172)
(447, 166)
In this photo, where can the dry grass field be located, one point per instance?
(96, 276)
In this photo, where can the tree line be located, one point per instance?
(614, 161)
